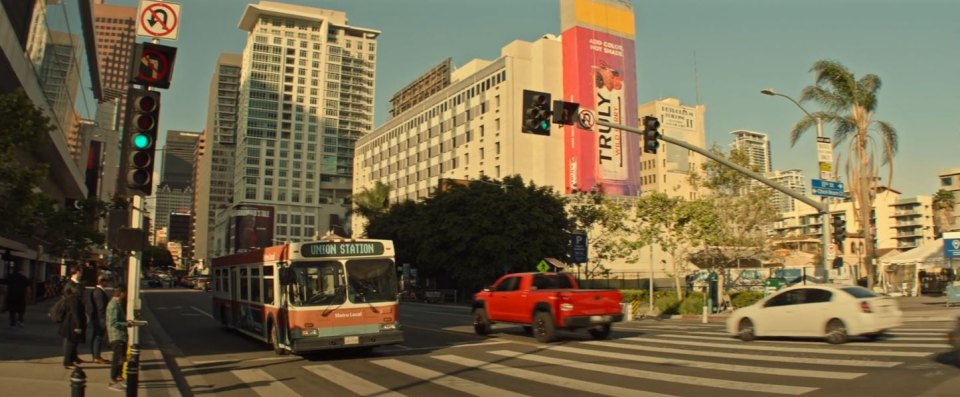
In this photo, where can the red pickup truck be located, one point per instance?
(545, 302)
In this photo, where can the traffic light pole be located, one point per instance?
(133, 298)
(820, 207)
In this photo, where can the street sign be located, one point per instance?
(543, 266)
(951, 245)
(153, 65)
(578, 247)
(831, 251)
(825, 157)
(158, 19)
(587, 119)
(825, 188)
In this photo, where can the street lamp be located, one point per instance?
(825, 216)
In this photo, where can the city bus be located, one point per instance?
(332, 293)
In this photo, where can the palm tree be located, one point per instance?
(943, 204)
(850, 105)
(371, 202)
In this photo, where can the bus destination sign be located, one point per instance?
(345, 248)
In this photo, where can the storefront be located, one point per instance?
(922, 270)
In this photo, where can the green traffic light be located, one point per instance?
(141, 141)
(544, 125)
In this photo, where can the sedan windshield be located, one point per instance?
(317, 283)
(372, 280)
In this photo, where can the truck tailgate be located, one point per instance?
(592, 302)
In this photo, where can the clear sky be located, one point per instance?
(738, 46)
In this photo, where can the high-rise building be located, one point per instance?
(306, 96)
(115, 28)
(428, 84)
(756, 145)
(60, 77)
(792, 179)
(174, 194)
(668, 171)
(214, 168)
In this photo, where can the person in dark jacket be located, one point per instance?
(98, 319)
(18, 286)
(72, 328)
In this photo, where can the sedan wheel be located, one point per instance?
(836, 332)
(745, 331)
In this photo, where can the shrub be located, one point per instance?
(666, 302)
(692, 303)
(745, 298)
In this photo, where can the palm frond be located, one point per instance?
(823, 97)
(867, 89)
(802, 126)
(845, 127)
(891, 142)
(837, 76)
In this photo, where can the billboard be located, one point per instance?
(599, 73)
(250, 228)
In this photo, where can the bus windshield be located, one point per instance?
(318, 283)
(372, 280)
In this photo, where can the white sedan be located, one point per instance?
(834, 312)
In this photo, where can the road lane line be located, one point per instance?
(198, 310)
(553, 380)
(450, 381)
(743, 346)
(350, 381)
(661, 376)
(852, 344)
(800, 373)
(754, 357)
(263, 384)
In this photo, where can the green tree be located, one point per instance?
(473, 234)
(606, 220)
(156, 256)
(372, 202)
(72, 232)
(23, 128)
(850, 106)
(944, 202)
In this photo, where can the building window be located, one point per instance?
(946, 181)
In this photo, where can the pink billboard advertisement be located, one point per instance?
(599, 73)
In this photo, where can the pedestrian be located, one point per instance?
(73, 327)
(18, 286)
(98, 319)
(73, 281)
(117, 324)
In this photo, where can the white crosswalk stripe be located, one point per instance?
(263, 384)
(758, 347)
(575, 384)
(661, 376)
(439, 378)
(351, 382)
(858, 344)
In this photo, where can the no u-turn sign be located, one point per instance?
(158, 19)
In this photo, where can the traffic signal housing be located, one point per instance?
(651, 134)
(566, 113)
(839, 231)
(140, 140)
(536, 112)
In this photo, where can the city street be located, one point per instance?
(442, 357)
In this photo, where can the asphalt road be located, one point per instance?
(442, 357)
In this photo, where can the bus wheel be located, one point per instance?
(275, 341)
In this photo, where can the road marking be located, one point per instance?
(262, 383)
(351, 382)
(754, 357)
(554, 380)
(439, 378)
(471, 344)
(742, 346)
(202, 312)
(856, 344)
(661, 376)
(800, 373)
(893, 337)
(205, 362)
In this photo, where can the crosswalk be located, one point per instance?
(677, 361)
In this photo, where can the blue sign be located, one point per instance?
(951, 248)
(825, 188)
(578, 247)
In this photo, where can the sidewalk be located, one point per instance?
(31, 361)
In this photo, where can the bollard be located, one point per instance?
(705, 318)
(78, 382)
(133, 371)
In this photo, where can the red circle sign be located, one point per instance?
(159, 14)
(155, 64)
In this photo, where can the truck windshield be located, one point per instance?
(317, 283)
(372, 280)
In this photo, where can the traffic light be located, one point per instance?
(536, 112)
(140, 140)
(566, 113)
(651, 132)
(839, 231)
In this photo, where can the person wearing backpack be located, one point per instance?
(73, 327)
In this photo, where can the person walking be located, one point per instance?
(73, 327)
(18, 286)
(117, 324)
(98, 319)
(74, 282)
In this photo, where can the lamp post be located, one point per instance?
(825, 215)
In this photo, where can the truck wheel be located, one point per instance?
(543, 328)
(600, 332)
(481, 324)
